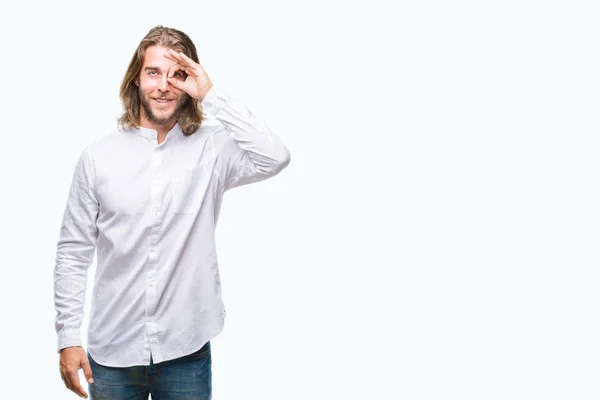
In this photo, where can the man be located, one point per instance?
(146, 199)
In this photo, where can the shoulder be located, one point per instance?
(215, 131)
(210, 132)
(108, 141)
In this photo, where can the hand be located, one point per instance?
(71, 360)
(197, 83)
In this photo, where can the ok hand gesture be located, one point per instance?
(197, 83)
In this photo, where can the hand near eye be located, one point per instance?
(197, 84)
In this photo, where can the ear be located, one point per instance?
(136, 81)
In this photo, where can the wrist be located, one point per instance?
(203, 92)
(68, 347)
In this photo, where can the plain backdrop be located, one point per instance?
(435, 235)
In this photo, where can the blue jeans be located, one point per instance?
(187, 377)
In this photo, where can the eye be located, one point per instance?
(152, 73)
(179, 75)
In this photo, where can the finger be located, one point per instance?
(175, 68)
(176, 83)
(169, 54)
(87, 371)
(187, 59)
(75, 385)
(65, 376)
(65, 380)
(183, 59)
(174, 56)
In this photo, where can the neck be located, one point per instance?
(161, 129)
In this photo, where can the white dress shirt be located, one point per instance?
(149, 210)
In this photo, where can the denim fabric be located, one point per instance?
(184, 378)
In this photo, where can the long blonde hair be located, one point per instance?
(190, 116)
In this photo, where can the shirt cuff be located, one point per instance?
(68, 338)
(214, 101)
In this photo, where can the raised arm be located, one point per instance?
(251, 152)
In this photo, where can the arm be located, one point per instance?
(253, 152)
(75, 253)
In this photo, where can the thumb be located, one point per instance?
(176, 83)
(87, 370)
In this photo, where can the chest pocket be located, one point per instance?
(190, 188)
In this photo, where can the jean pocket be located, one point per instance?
(190, 188)
(202, 352)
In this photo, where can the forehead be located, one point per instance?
(155, 58)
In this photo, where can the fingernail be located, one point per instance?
(91, 380)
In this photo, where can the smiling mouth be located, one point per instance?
(163, 101)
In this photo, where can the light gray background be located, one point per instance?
(434, 237)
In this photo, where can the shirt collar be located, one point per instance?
(152, 134)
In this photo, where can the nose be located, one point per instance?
(164, 85)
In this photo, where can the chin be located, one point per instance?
(163, 116)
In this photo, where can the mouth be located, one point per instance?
(163, 100)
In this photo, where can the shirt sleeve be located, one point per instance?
(251, 151)
(75, 252)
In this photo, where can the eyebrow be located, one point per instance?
(151, 68)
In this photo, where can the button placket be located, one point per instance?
(156, 193)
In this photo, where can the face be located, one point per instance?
(160, 101)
